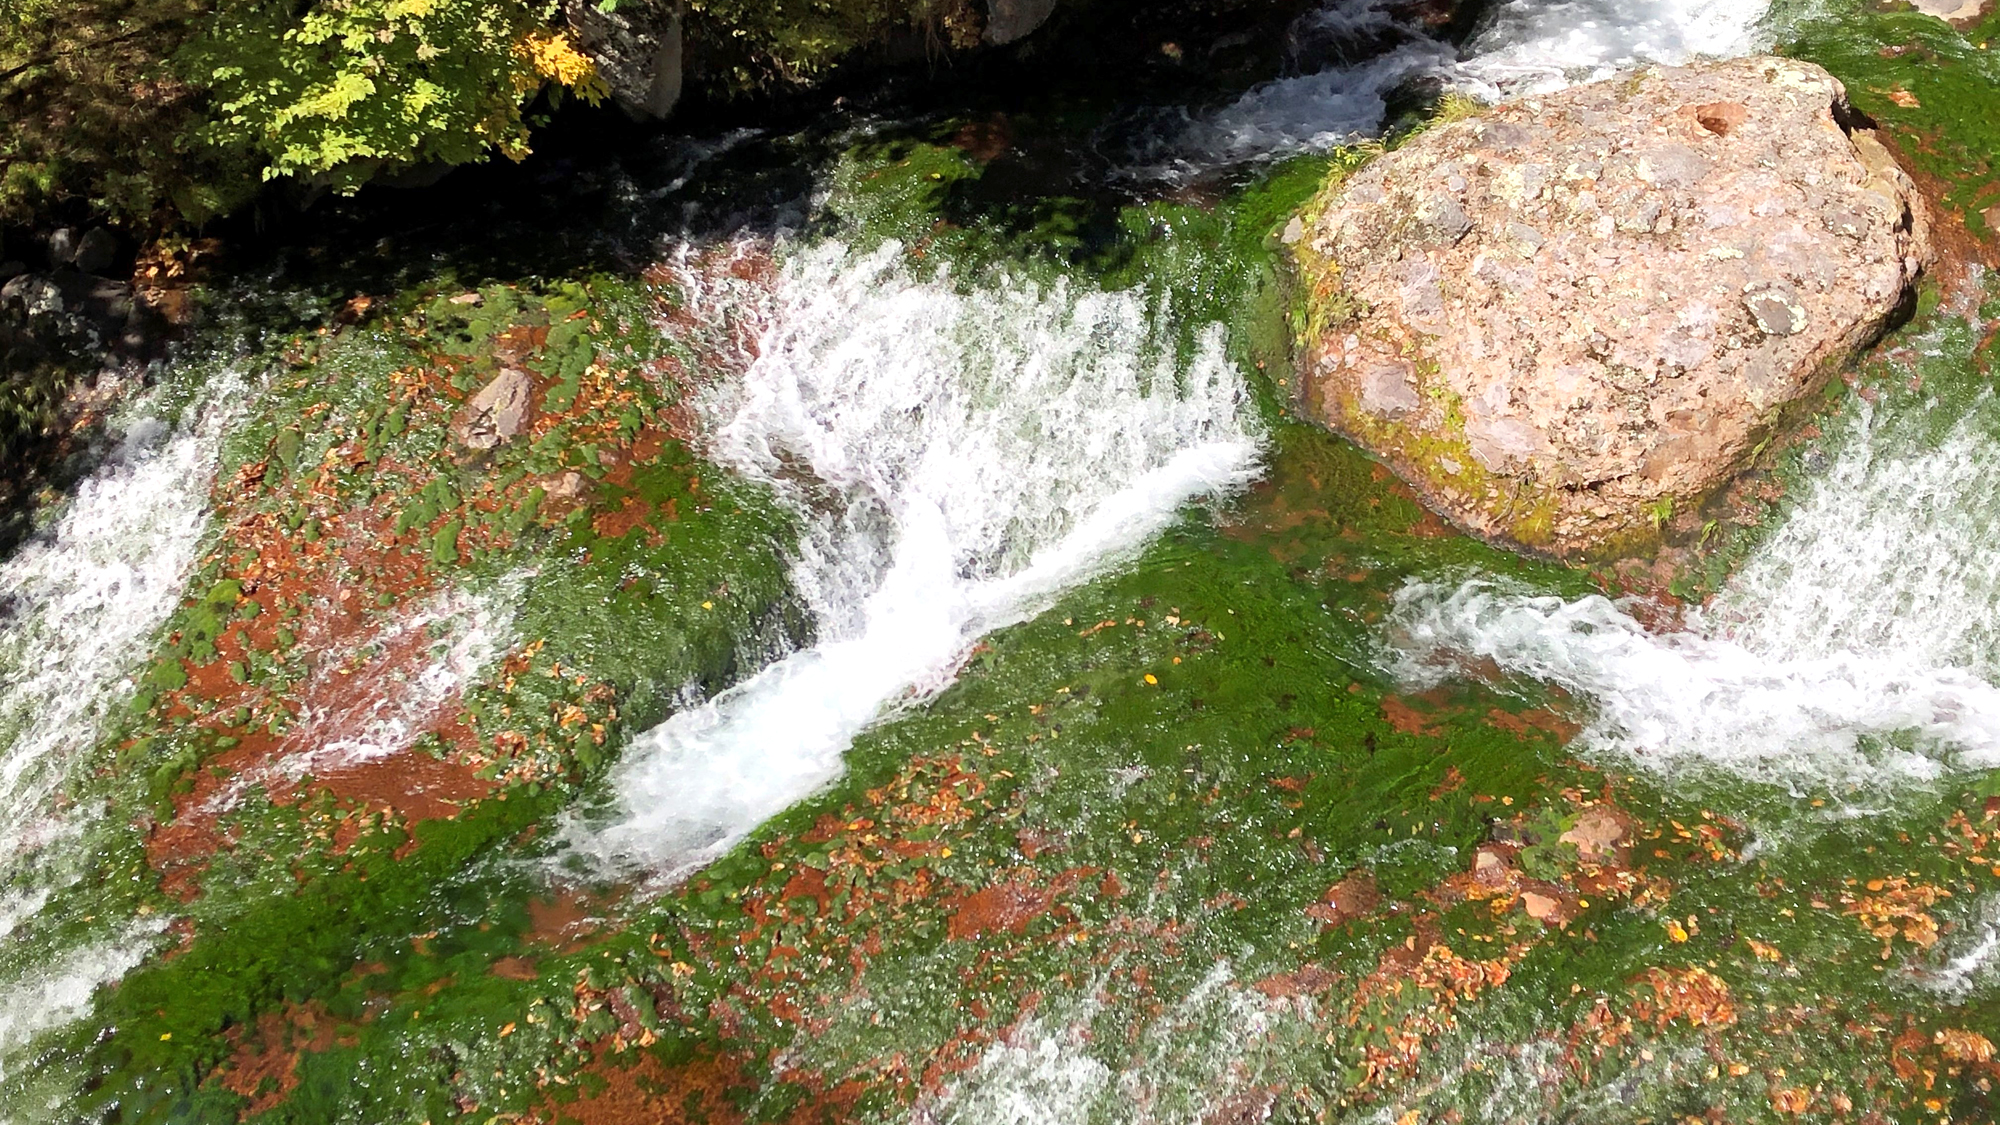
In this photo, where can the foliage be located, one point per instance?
(148, 111)
(761, 44)
(91, 108)
(355, 88)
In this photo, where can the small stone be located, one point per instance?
(62, 246)
(1541, 907)
(1599, 834)
(498, 413)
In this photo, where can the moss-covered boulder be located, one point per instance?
(1567, 316)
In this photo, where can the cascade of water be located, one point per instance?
(1860, 640)
(1339, 102)
(956, 454)
(1525, 47)
(82, 603)
(1537, 46)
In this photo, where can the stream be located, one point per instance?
(913, 667)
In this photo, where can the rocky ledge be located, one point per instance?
(1567, 316)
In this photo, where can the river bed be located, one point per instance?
(914, 666)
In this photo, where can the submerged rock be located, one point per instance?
(1565, 317)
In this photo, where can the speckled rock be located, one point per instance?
(499, 413)
(1565, 317)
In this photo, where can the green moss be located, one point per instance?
(1929, 85)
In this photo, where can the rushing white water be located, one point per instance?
(82, 603)
(60, 992)
(1335, 104)
(1524, 47)
(436, 650)
(1210, 1055)
(1537, 46)
(1859, 643)
(957, 452)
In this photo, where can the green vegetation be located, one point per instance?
(154, 112)
(1182, 827)
(158, 113)
(1930, 84)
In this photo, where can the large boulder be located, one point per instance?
(637, 46)
(1567, 316)
(1008, 21)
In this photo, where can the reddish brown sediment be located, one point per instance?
(263, 1060)
(1535, 721)
(564, 921)
(1406, 718)
(348, 599)
(1009, 906)
(1353, 897)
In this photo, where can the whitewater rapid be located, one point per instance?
(83, 601)
(957, 451)
(1520, 49)
(1861, 643)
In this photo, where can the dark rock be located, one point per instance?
(638, 50)
(96, 251)
(1008, 21)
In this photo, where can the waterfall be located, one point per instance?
(1861, 642)
(82, 603)
(1532, 47)
(1524, 47)
(957, 451)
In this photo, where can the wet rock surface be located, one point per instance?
(1569, 315)
(498, 413)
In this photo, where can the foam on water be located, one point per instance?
(956, 454)
(1858, 644)
(82, 603)
(62, 991)
(1338, 103)
(1210, 1055)
(1538, 46)
(450, 639)
(1525, 47)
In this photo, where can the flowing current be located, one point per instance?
(81, 604)
(1861, 643)
(957, 452)
(1521, 48)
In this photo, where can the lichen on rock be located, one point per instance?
(1569, 314)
